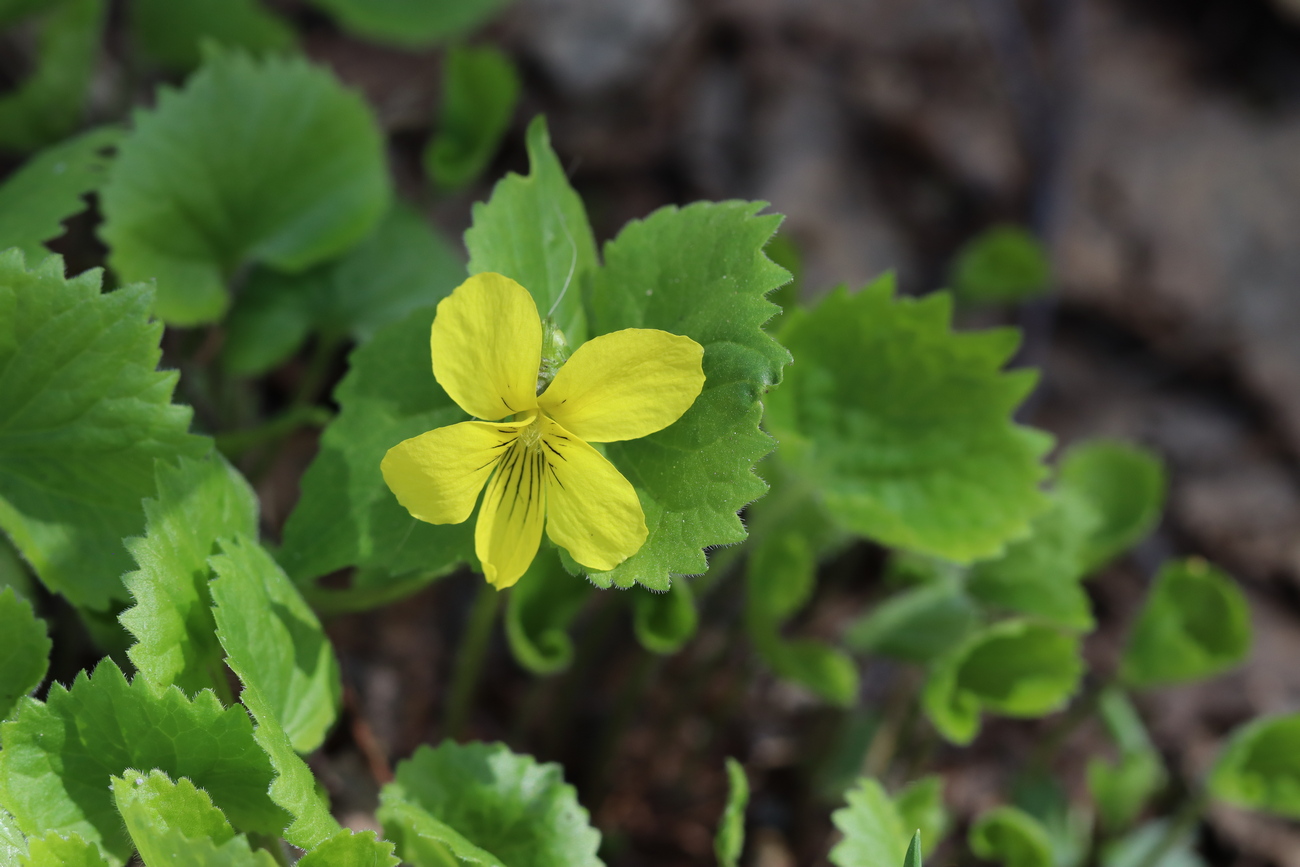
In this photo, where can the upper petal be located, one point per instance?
(437, 475)
(592, 511)
(510, 520)
(487, 346)
(625, 384)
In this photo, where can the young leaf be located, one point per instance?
(873, 832)
(1122, 789)
(1124, 484)
(1139, 848)
(411, 23)
(699, 271)
(56, 850)
(1259, 769)
(1195, 624)
(274, 642)
(401, 266)
(534, 230)
(47, 105)
(59, 757)
(350, 848)
(664, 622)
(49, 188)
(83, 415)
(920, 806)
(172, 31)
(905, 427)
(484, 804)
(270, 161)
(198, 502)
(913, 856)
(729, 842)
(1011, 837)
(479, 90)
(12, 843)
(1001, 265)
(539, 610)
(1014, 668)
(24, 650)
(918, 625)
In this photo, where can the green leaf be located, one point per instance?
(411, 23)
(1040, 575)
(13, 572)
(274, 642)
(198, 502)
(905, 427)
(920, 806)
(346, 515)
(480, 88)
(913, 856)
(403, 265)
(172, 31)
(1014, 668)
(664, 622)
(12, 843)
(58, 757)
(15, 10)
(1259, 769)
(1195, 624)
(729, 841)
(170, 821)
(56, 850)
(24, 650)
(918, 625)
(1137, 847)
(350, 848)
(83, 415)
(698, 271)
(483, 804)
(539, 610)
(48, 105)
(1002, 265)
(1012, 837)
(50, 187)
(873, 832)
(534, 230)
(1124, 484)
(272, 162)
(1123, 788)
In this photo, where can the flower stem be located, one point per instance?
(470, 655)
(235, 443)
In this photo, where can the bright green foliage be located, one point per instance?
(1121, 790)
(874, 835)
(198, 502)
(350, 848)
(172, 31)
(83, 415)
(698, 271)
(920, 806)
(412, 23)
(729, 842)
(12, 842)
(483, 804)
(780, 576)
(346, 514)
(1137, 848)
(274, 642)
(1002, 265)
(539, 610)
(48, 188)
(1195, 624)
(55, 850)
(1014, 668)
(479, 90)
(1260, 767)
(1041, 575)
(272, 162)
(905, 427)
(918, 625)
(664, 622)
(1011, 837)
(401, 266)
(1124, 484)
(534, 230)
(58, 757)
(24, 650)
(913, 856)
(46, 106)
(784, 252)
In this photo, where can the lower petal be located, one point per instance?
(509, 528)
(437, 475)
(592, 511)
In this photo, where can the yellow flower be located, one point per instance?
(532, 449)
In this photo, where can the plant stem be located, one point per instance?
(470, 655)
(235, 443)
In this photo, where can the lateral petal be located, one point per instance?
(510, 521)
(592, 511)
(437, 475)
(486, 344)
(626, 384)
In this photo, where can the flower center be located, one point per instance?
(530, 438)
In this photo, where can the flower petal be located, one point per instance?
(625, 384)
(510, 520)
(487, 346)
(591, 510)
(437, 475)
